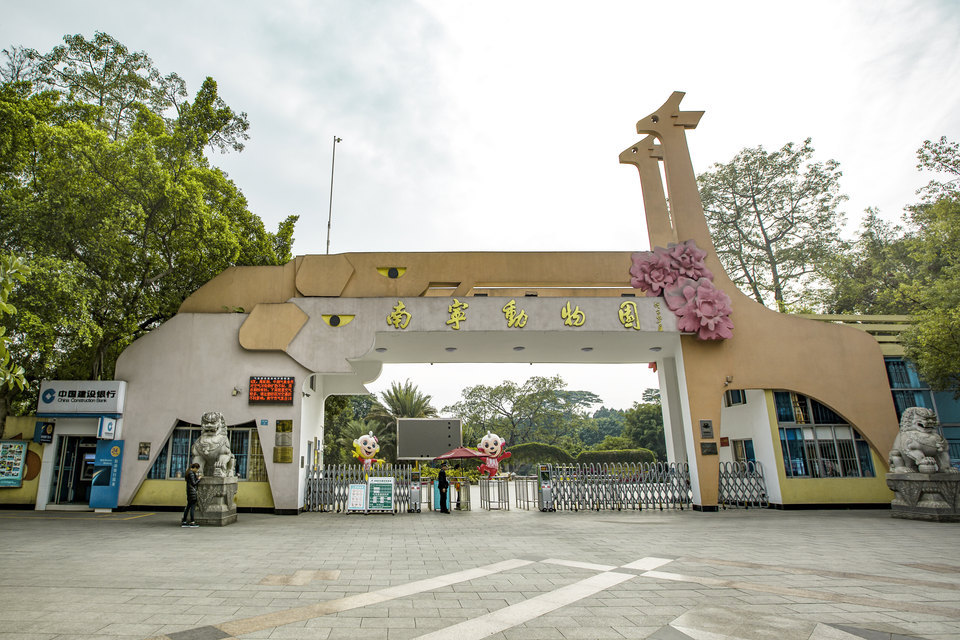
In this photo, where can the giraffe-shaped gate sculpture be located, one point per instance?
(768, 350)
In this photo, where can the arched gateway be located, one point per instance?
(811, 399)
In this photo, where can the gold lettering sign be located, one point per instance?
(574, 318)
(514, 319)
(457, 311)
(629, 317)
(400, 317)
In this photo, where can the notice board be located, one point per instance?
(380, 494)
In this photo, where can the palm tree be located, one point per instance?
(401, 401)
(386, 437)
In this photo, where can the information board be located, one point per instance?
(380, 494)
(271, 389)
(106, 475)
(13, 462)
(357, 498)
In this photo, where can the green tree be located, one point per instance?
(105, 189)
(615, 443)
(540, 410)
(870, 277)
(933, 343)
(774, 218)
(644, 428)
(12, 270)
(401, 401)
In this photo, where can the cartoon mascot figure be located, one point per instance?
(492, 447)
(364, 448)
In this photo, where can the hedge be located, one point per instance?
(622, 455)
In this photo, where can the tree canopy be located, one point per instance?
(107, 194)
(774, 218)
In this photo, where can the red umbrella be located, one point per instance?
(460, 453)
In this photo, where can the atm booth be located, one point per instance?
(80, 431)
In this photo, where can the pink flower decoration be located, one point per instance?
(652, 272)
(687, 259)
(679, 274)
(700, 308)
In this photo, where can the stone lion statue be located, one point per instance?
(919, 447)
(212, 449)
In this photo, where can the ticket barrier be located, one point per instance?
(495, 493)
(545, 487)
(460, 493)
(415, 492)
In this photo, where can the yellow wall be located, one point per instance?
(26, 494)
(797, 491)
(171, 493)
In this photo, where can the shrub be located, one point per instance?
(620, 455)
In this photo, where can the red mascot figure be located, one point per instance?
(492, 446)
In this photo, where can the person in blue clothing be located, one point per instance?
(193, 480)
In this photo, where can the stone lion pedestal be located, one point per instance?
(926, 486)
(216, 506)
(925, 496)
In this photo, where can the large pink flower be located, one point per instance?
(700, 308)
(651, 272)
(687, 260)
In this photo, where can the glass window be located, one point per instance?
(784, 405)
(735, 397)
(831, 449)
(176, 455)
(794, 459)
(159, 468)
(948, 409)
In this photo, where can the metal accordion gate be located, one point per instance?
(328, 488)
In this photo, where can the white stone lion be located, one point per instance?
(919, 447)
(212, 449)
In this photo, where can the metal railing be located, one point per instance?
(742, 485)
(525, 493)
(495, 493)
(619, 486)
(328, 488)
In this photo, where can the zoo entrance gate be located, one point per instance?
(576, 487)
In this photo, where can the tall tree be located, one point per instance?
(876, 273)
(774, 217)
(401, 401)
(540, 410)
(644, 427)
(106, 191)
(12, 270)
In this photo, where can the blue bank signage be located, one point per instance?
(105, 490)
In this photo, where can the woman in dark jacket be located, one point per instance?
(193, 480)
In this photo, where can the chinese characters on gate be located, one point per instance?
(516, 318)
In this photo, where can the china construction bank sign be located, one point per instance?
(81, 397)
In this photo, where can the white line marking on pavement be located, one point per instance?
(648, 563)
(502, 619)
(298, 614)
(579, 565)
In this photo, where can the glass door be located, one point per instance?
(73, 470)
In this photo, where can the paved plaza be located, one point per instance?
(667, 575)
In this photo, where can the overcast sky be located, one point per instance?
(497, 125)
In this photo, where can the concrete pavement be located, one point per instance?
(667, 575)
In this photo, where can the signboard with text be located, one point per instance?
(106, 474)
(380, 494)
(13, 462)
(81, 397)
(271, 389)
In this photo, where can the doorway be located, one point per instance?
(73, 470)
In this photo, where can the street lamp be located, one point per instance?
(333, 162)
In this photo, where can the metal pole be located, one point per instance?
(330, 211)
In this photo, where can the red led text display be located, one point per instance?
(273, 389)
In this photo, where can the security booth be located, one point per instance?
(82, 443)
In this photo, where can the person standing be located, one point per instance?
(193, 481)
(443, 485)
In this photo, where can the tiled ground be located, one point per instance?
(668, 575)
